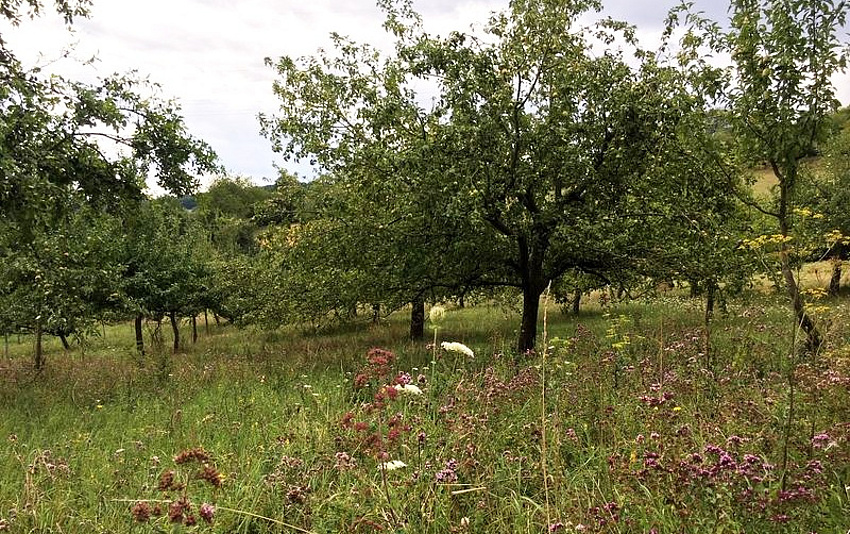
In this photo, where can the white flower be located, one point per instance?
(391, 465)
(437, 314)
(409, 389)
(457, 347)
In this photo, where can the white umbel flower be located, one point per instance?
(408, 389)
(437, 314)
(457, 347)
(392, 465)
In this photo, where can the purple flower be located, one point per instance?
(820, 441)
(207, 512)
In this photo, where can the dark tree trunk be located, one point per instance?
(376, 313)
(530, 310)
(175, 329)
(696, 289)
(64, 340)
(531, 254)
(835, 279)
(417, 318)
(140, 340)
(206, 323)
(39, 354)
(215, 316)
(194, 329)
(710, 294)
(576, 301)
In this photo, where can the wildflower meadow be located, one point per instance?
(627, 420)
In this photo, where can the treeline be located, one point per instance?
(539, 152)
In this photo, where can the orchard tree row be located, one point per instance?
(545, 149)
(542, 150)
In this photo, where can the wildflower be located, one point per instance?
(408, 389)
(167, 482)
(449, 474)
(820, 441)
(197, 454)
(211, 475)
(457, 347)
(392, 465)
(207, 512)
(344, 461)
(437, 314)
(141, 512)
(677, 409)
(555, 527)
(176, 510)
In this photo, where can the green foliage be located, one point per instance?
(537, 157)
(780, 99)
(166, 261)
(64, 279)
(74, 158)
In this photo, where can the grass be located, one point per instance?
(644, 431)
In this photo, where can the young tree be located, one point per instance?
(56, 158)
(167, 270)
(780, 98)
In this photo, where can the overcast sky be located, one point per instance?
(208, 54)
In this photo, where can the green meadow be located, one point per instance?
(630, 420)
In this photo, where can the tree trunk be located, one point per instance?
(804, 320)
(710, 293)
(576, 301)
(215, 316)
(696, 289)
(417, 318)
(140, 340)
(206, 323)
(64, 340)
(376, 313)
(835, 279)
(39, 354)
(530, 311)
(174, 328)
(194, 329)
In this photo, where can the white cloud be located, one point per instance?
(208, 54)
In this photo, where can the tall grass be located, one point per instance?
(637, 431)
